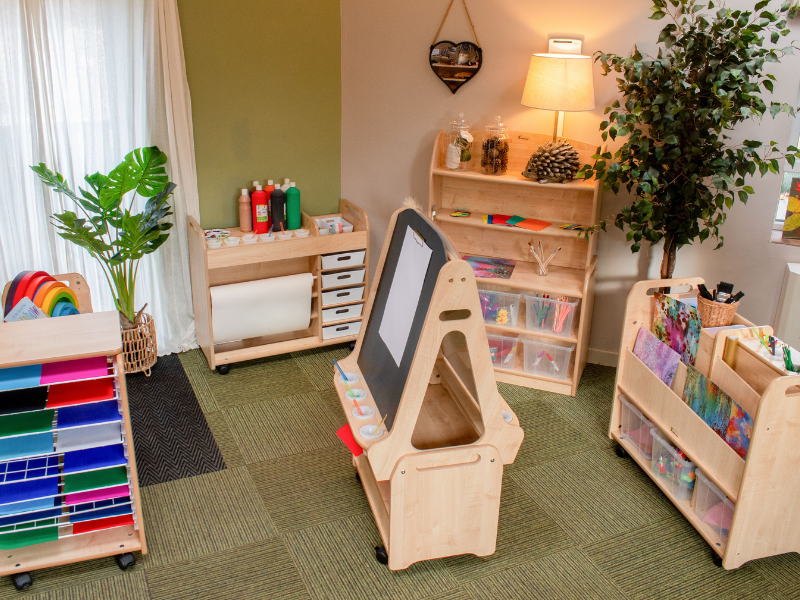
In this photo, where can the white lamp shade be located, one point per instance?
(559, 82)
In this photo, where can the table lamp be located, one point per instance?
(559, 82)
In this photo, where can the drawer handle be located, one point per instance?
(345, 328)
(340, 294)
(348, 276)
(342, 310)
(348, 257)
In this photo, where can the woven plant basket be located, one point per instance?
(139, 346)
(715, 314)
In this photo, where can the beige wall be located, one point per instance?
(266, 100)
(393, 105)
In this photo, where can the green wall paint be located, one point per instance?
(265, 80)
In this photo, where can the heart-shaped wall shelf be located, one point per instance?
(455, 63)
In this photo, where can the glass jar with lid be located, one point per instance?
(494, 154)
(459, 145)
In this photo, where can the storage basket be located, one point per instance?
(715, 314)
(139, 346)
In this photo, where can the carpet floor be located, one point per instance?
(286, 517)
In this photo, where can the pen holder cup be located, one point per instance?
(715, 314)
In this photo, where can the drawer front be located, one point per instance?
(342, 313)
(352, 277)
(343, 296)
(343, 259)
(335, 331)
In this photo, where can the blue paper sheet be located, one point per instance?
(20, 377)
(88, 414)
(28, 490)
(19, 470)
(26, 445)
(113, 511)
(38, 515)
(94, 458)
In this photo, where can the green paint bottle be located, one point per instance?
(293, 219)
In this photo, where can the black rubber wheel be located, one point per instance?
(621, 452)
(358, 476)
(125, 561)
(223, 369)
(352, 346)
(22, 581)
(717, 560)
(381, 556)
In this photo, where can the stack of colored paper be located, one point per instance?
(515, 221)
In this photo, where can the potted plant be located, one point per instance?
(118, 237)
(677, 109)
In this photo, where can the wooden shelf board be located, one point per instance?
(343, 268)
(560, 281)
(513, 178)
(440, 65)
(88, 546)
(512, 331)
(326, 307)
(523, 379)
(348, 320)
(476, 220)
(684, 506)
(253, 352)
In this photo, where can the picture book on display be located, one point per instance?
(678, 325)
(656, 355)
(491, 268)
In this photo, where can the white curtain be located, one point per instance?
(84, 82)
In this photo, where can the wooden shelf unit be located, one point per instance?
(68, 338)
(223, 266)
(573, 271)
(764, 488)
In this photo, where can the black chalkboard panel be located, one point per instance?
(386, 380)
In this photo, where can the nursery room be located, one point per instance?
(450, 300)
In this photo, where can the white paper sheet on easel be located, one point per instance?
(401, 305)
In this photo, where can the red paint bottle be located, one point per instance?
(260, 202)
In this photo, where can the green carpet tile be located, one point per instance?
(287, 518)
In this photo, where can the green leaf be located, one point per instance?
(151, 163)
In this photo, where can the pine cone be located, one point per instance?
(555, 162)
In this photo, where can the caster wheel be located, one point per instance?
(717, 560)
(621, 452)
(352, 346)
(125, 561)
(381, 556)
(223, 369)
(358, 476)
(22, 581)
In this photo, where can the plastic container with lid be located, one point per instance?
(494, 153)
(459, 146)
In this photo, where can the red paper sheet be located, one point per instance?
(346, 435)
(94, 390)
(500, 219)
(98, 524)
(533, 224)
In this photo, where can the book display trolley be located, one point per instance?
(745, 508)
(68, 485)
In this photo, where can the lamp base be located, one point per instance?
(558, 126)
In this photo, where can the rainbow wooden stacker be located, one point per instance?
(433, 477)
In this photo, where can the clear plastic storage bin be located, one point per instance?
(503, 350)
(676, 471)
(499, 308)
(547, 360)
(636, 428)
(553, 315)
(713, 508)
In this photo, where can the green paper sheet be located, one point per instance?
(28, 537)
(29, 422)
(514, 220)
(81, 482)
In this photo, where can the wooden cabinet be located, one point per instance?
(571, 273)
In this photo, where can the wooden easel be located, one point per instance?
(434, 479)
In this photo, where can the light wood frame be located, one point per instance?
(264, 260)
(434, 481)
(572, 272)
(764, 488)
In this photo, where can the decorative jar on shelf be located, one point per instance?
(494, 154)
(459, 146)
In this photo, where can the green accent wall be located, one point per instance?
(265, 80)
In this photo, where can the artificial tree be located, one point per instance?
(678, 160)
(111, 232)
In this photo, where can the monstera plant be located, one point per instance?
(109, 227)
(676, 112)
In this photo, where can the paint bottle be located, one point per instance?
(245, 213)
(253, 187)
(268, 191)
(278, 205)
(260, 202)
(293, 219)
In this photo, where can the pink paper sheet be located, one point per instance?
(70, 370)
(97, 495)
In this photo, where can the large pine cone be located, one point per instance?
(555, 162)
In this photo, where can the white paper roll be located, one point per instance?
(263, 307)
